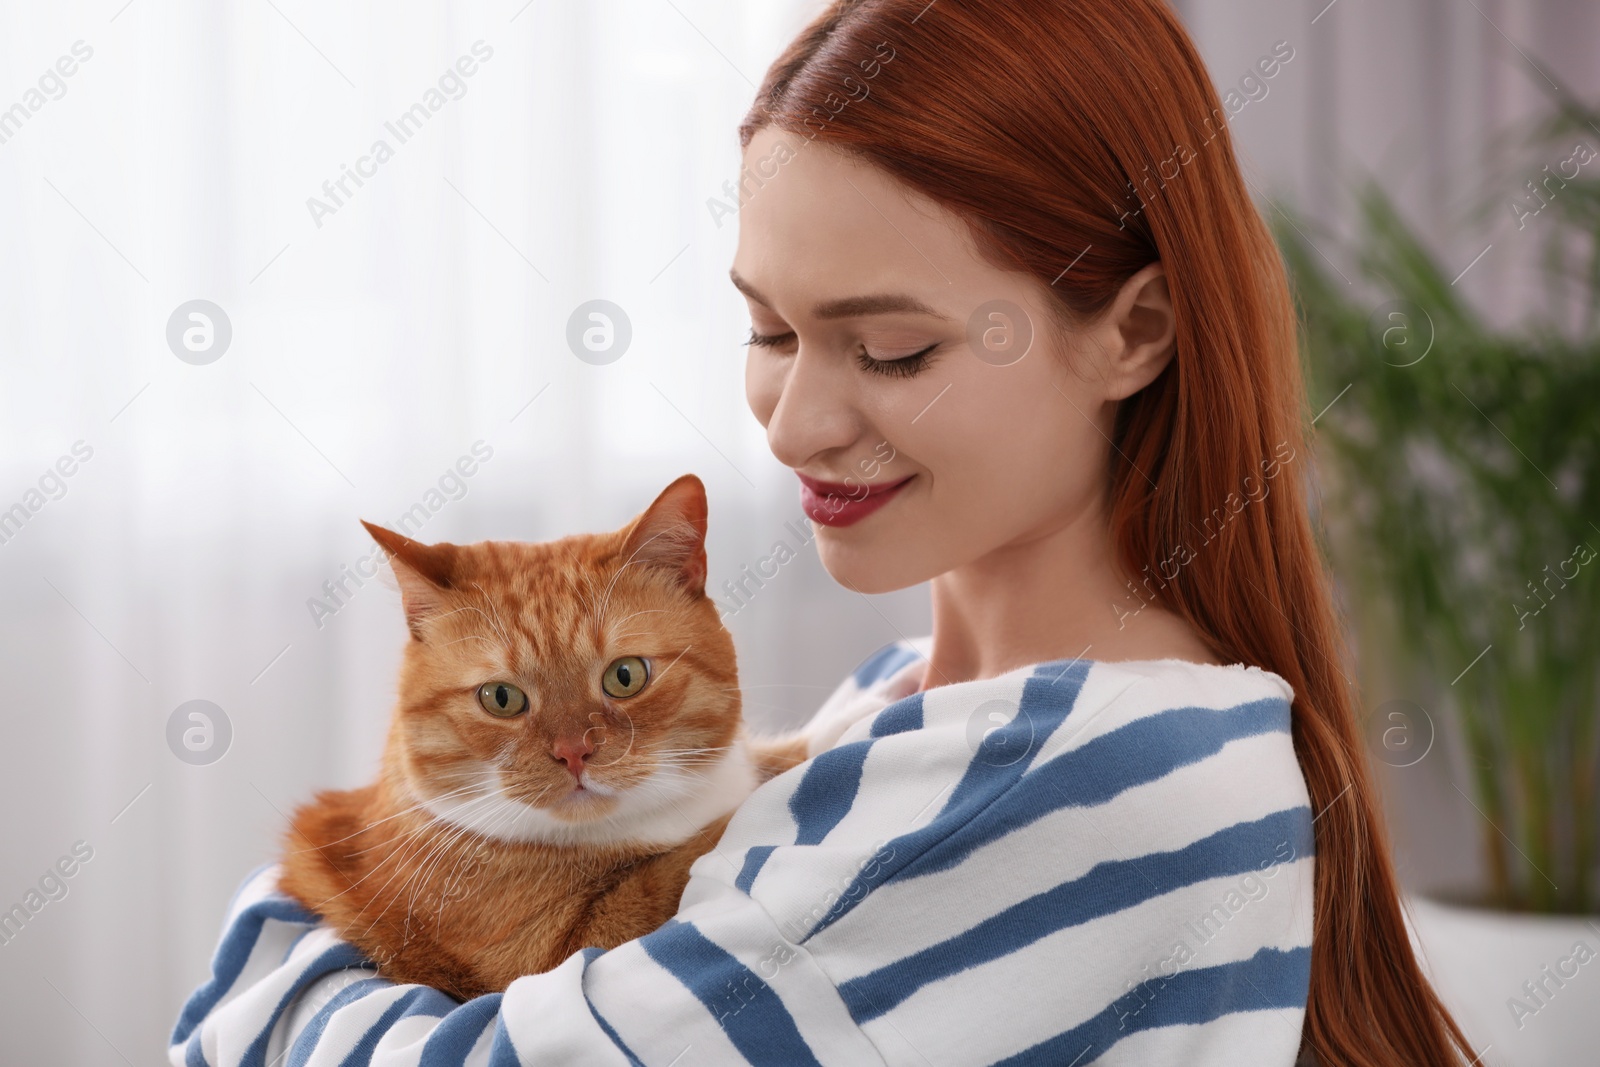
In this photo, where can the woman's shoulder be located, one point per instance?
(889, 662)
(893, 659)
(1140, 826)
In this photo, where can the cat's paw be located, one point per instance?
(830, 724)
(774, 755)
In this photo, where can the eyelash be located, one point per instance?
(769, 340)
(904, 367)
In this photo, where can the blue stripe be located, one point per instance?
(589, 955)
(1005, 752)
(502, 1053)
(194, 1055)
(831, 783)
(1138, 753)
(1269, 979)
(1047, 698)
(233, 952)
(824, 796)
(1107, 888)
(746, 1008)
(458, 1032)
(883, 663)
(338, 958)
(755, 857)
(901, 717)
(311, 1036)
(421, 1000)
(827, 791)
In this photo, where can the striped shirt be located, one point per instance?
(1076, 862)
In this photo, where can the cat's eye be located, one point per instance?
(625, 677)
(502, 699)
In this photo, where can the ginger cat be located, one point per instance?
(568, 740)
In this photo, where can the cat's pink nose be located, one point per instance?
(573, 751)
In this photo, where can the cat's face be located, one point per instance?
(580, 690)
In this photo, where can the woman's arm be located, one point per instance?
(282, 984)
(1061, 865)
(719, 983)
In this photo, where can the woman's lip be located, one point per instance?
(853, 490)
(836, 504)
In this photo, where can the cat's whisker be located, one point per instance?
(493, 622)
(643, 611)
(634, 558)
(398, 859)
(469, 637)
(378, 822)
(656, 749)
(463, 608)
(401, 862)
(422, 875)
(770, 685)
(494, 617)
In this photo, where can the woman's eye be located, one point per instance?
(770, 340)
(898, 367)
(625, 677)
(502, 699)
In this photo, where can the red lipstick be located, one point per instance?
(844, 503)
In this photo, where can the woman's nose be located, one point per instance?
(814, 413)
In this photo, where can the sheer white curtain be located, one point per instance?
(398, 349)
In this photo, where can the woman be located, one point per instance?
(1019, 331)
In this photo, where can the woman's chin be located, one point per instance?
(867, 565)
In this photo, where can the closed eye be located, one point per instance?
(770, 340)
(901, 366)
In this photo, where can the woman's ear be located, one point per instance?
(1137, 332)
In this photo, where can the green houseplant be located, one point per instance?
(1463, 503)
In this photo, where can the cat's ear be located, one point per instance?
(424, 572)
(671, 534)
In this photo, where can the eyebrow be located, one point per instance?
(850, 306)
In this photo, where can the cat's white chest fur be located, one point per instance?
(667, 808)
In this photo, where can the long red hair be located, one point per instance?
(1083, 140)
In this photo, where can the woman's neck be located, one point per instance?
(1055, 596)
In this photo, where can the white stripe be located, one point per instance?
(1248, 779)
(1269, 1037)
(742, 928)
(402, 1045)
(1074, 974)
(479, 1056)
(1116, 694)
(550, 1014)
(653, 1013)
(905, 782)
(252, 1003)
(315, 997)
(350, 1023)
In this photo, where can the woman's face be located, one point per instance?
(918, 452)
